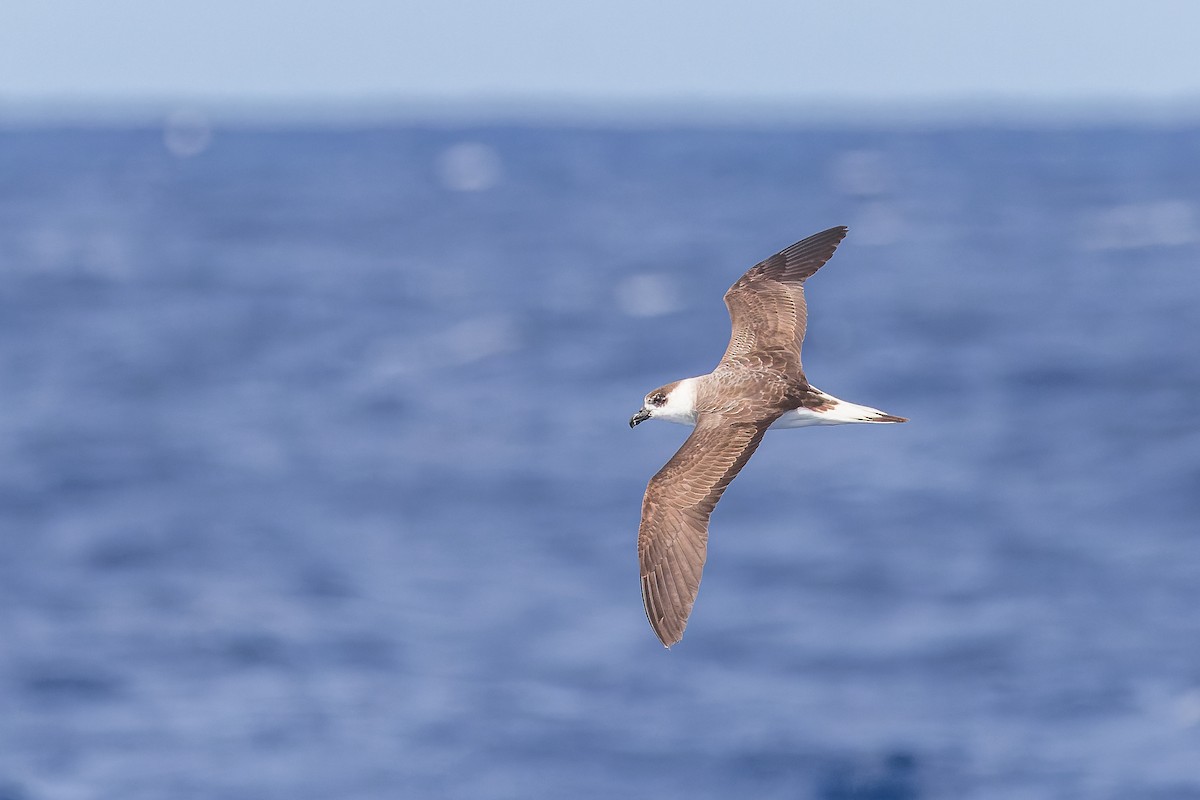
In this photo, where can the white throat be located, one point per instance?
(681, 404)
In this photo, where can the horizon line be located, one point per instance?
(633, 112)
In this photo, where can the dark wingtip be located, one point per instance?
(802, 259)
(667, 637)
(840, 231)
(667, 641)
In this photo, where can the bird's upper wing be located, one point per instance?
(767, 308)
(673, 538)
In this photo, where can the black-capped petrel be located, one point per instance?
(758, 384)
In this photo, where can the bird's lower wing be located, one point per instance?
(673, 538)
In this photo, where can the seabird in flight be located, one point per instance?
(758, 384)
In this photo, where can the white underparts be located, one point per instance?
(841, 413)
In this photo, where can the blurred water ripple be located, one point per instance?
(315, 479)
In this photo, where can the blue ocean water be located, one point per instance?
(316, 479)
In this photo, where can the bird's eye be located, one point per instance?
(657, 399)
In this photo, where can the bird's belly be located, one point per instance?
(833, 412)
(802, 418)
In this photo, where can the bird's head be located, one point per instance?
(675, 402)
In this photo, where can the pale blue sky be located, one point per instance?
(917, 51)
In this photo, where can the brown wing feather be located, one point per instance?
(767, 307)
(673, 538)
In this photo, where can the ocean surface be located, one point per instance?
(316, 479)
